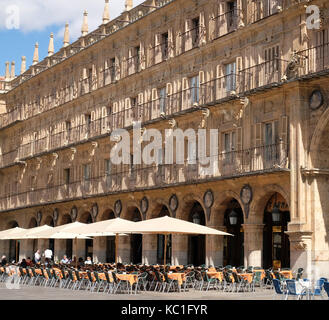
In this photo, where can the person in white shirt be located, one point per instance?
(37, 256)
(88, 261)
(48, 254)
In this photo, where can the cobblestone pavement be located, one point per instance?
(42, 293)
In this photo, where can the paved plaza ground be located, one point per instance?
(42, 293)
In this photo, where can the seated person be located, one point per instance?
(23, 264)
(3, 260)
(28, 261)
(65, 260)
(88, 261)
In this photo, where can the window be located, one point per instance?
(162, 98)
(230, 74)
(133, 102)
(229, 143)
(194, 87)
(231, 13)
(88, 122)
(271, 60)
(68, 129)
(108, 167)
(112, 69)
(137, 54)
(164, 45)
(86, 171)
(271, 139)
(195, 31)
(67, 173)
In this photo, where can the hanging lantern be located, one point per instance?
(233, 218)
(196, 218)
(276, 214)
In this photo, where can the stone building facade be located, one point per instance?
(253, 70)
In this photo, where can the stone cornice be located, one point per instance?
(313, 172)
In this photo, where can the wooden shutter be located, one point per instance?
(142, 56)
(239, 139)
(140, 99)
(170, 43)
(258, 134)
(284, 129)
(154, 94)
(185, 84)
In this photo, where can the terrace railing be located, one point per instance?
(131, 178)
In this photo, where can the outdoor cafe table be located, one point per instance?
(180, 277)
(287, 274)
(215, 275)
(131, 278)
(246, 276)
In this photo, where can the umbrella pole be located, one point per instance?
(17, 251)
(165, 251)
(76, 251)
(116, 249)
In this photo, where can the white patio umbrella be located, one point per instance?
(66, 231)
(107, 228)
(6, 233)
(25, 233)
(167, 225)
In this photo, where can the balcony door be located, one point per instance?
(230, 72)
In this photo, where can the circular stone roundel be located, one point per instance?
(316, 100)
(246, 194)
(144, 205)
(118, 207)
(208, 199)
(173, 202)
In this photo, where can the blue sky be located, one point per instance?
(36, 19)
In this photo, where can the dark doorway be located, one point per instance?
(69, 242)
(276, 245)
(14, 245)
(197, 244)
(89, 242)
(136, 241)
(161, 240)
(234, 246)
(110, 241)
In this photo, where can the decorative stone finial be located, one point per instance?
(36, 54)
(66, 40)
(128, 5)
(51, 45)
(23, 65)
(106, 13)
(84, 29)
(12, 71)
(7, 74)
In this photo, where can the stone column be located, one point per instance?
(25, 249)
(60, 249)
(179, 249)
(253, 244)
(79, 248)
(99, 249)
(149, 249)
(301, 251)
(124, 249)
(215, 247)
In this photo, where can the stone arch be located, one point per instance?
(318, 132)
(33, 223)
(130, 210)
(85, 217)
(186, 204)
(48, 220)
(12, 224)
(261, 198)
(106, 215)
(64, 219)
(220, 205)
(155, 208)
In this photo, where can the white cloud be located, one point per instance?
(37, 15)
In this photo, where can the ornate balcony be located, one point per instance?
(124, 178)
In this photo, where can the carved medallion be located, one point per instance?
(173, 202)
(144, 205)
(208, 199)
(118, 208)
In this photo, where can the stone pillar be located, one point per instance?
(149, 249)
(215, 248)
(179, 249)
(301, 251)
(253, 244)
(79, 248)
(99, 252)
(124, 249)
(25, 249)
(60, 249)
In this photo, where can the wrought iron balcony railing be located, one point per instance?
(126, 178)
